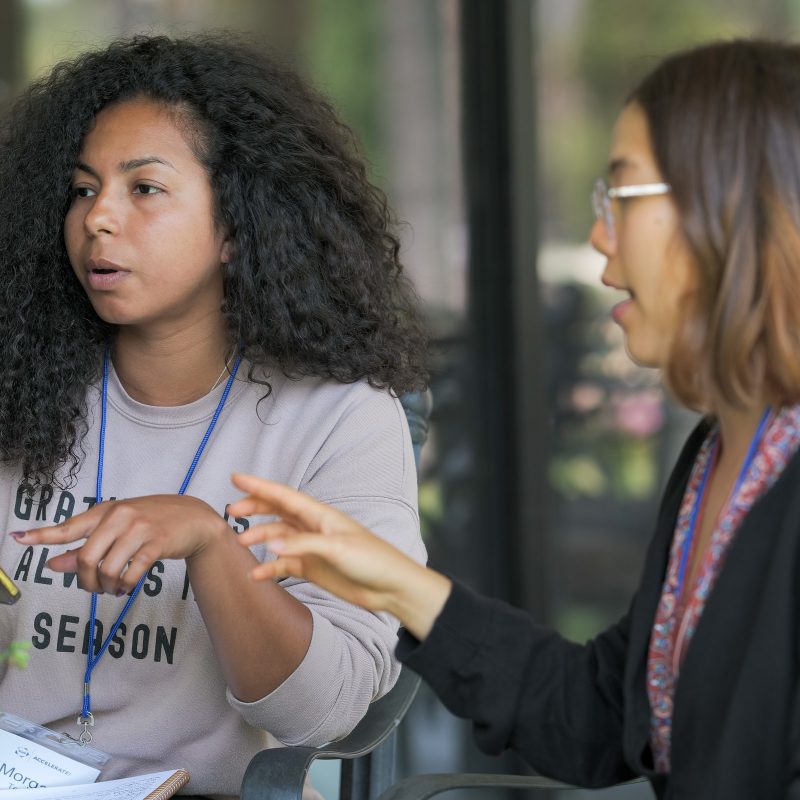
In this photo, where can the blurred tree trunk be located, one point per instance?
(422, 142)
(12, 64)
(284, 25)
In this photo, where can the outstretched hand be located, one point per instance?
(121, 539)
(321, 544)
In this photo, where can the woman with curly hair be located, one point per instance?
(197, 277)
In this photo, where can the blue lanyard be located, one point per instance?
(86, 719)
(751, 454)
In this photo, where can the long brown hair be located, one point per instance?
(724, 123)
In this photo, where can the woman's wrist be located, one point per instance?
(421, 600)
(216, 535)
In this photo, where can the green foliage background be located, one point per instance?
(617, 42)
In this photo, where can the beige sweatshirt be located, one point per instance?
(158, 696)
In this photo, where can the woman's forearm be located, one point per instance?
(259, 631)
(420, 599)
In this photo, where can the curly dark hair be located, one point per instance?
(314, 285)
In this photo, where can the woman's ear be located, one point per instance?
(227, 251)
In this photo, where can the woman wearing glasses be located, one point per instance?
(697, 686)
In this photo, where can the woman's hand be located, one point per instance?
(321, 544)
(124, 538)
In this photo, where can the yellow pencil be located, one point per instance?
(9, 593)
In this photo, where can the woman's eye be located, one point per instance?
(146, 188)
(82, 191)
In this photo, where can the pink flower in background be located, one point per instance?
(586, 397)
(638, 413)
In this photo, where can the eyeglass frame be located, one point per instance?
(603, 194)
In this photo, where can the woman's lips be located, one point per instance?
(618, 312)
(104, 274)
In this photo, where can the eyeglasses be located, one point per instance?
(602, 195)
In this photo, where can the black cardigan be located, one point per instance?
(580, 713)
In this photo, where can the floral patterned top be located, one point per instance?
(678, 612)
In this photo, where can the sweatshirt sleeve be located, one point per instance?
(559, 704)
(365, 467)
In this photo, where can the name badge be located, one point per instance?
(33, 756)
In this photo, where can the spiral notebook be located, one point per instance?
(153, 786)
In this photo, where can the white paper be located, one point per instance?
(123, 789)
(24, 763)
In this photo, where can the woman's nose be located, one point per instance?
(601, 238)
(102, 217)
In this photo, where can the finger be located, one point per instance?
(78, 527)
(279, 568)
(118, 523)
(302, 545)
(127, 559)
(139, 565)
(248, 506)
(266, 531)
(285, 501)
(64, 562)
(68, 562)
(318, 571)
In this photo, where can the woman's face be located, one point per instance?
(647, 256)
(140, 232)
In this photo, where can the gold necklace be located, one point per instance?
(224, 370)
